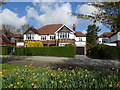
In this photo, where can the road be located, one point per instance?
(63, 62)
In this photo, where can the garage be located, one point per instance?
(80, 51)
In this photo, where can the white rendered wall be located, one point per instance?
(20, 44)
(99, 41)
(83, 38)
(118, 35)
(111, 44)
(78, 44)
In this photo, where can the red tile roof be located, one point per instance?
(80, 34)
(49, 29)
(105, 34)
(3, 38)
(18, 35)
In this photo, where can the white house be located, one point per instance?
(56, 35)
(104, 39)
(115, 38)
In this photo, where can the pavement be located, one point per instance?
(79, 60)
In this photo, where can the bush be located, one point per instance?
(5, 50)
(105, 52)
(35, 44)
(67, 51)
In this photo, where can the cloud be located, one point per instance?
(86, 9)
(52, 13)
(8, 17)
(84, 31)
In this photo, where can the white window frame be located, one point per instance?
(64, 35)
(43, 38)
(80, 39)
(52, 37)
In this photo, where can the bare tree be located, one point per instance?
(24, 28)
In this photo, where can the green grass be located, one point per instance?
(38, 77)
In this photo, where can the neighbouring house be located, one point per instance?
(56, 35)
(7, 38)
(104, 39)
(4, 40)
(115, 38)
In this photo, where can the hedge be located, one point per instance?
(67, 51)
(105, 52)
(5, 50)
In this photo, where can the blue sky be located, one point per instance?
(39, 15)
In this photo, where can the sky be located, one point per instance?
(43, 13)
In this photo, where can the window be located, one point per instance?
(30, 37)
(105, 40)
(52, 37)
(43, 37)
(80, 39)
(63, 35)
(12, 40)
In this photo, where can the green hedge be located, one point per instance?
(5, 50)
(105, 52)
(67, 51)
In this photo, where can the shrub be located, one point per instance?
(105, 52)
(5, 50)
(35, 44)
(67, 51)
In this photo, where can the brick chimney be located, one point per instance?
(74, 27)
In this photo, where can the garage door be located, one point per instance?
(80, 50)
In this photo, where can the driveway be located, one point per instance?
(62, 62)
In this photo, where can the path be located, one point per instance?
(79, 61)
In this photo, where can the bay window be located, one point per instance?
(63, 35)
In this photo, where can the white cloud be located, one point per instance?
(53, 13)
(10, 18)
(84, 31)
(86, 9)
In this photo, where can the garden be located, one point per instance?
(23, 76)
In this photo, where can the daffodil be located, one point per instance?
(93, 79)
(110, 85)
(18, 82)
(78, 72)
(60, 81)
(32, 84)
(43, 79)
(2, 75)
(14, 87)
(16, 73)
(11, 85)
(35, 86)
(52, 81)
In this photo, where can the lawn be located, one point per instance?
(20, 76)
